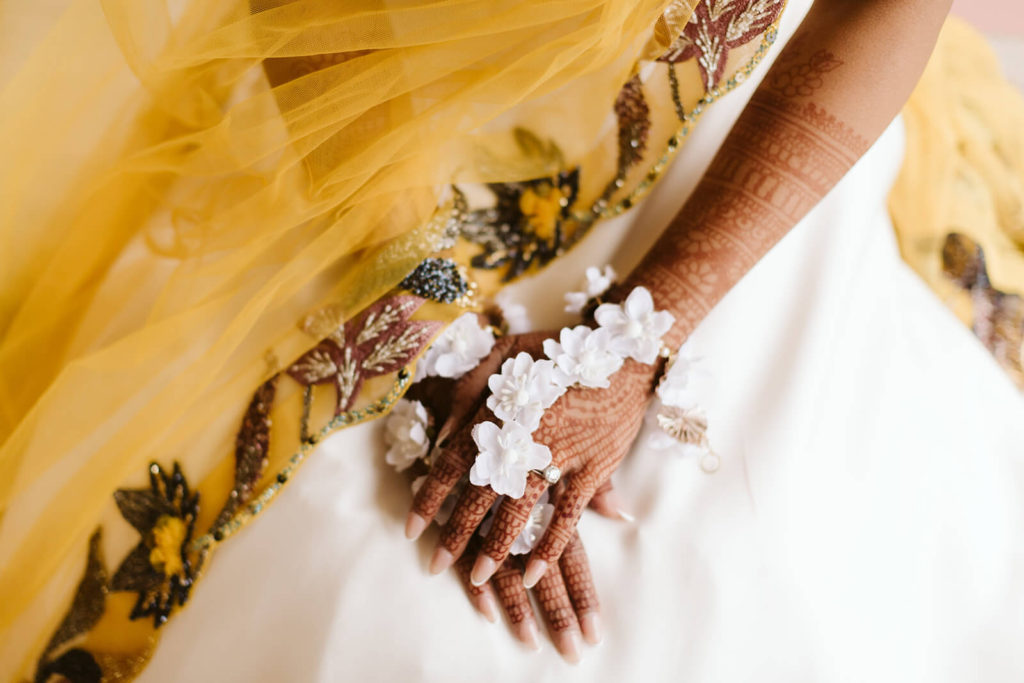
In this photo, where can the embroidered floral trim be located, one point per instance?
(159, 569)
(380, 341)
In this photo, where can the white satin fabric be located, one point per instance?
(866, 524)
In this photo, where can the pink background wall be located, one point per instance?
(995, 17)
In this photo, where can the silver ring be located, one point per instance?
(551, 474)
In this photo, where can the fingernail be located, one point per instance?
(441, 560)
(485, 603)
(534, 571)
(526, 631)
(569, 645)
(624, 516)
(414, 526)
(482, 570)
(591, 626)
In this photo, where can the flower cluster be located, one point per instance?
(677, 421)
(525, 388)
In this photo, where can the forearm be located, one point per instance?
(830, 94)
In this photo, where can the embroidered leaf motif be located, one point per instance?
(717, 27)
(634, 121)
(382, 339)
(86, 609)
(251, 447)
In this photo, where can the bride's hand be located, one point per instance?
(588, 432)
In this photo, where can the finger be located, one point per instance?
(450, 464)
(482, 597)
(508, 581)
(558, 611)
(509, 521)
(608, 503)
(568, 508)
(471, 390)
(473, 505)
(580, 584)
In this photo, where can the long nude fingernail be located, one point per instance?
(527, 632)
(590, 624)
(625, 516)
(534, 572)
(414, 526)
(568, 642)
(441, 560)
(488, 607)
(482, 570)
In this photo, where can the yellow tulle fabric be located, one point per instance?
(180, 181)
(964, 173)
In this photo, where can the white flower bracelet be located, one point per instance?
(525, 388)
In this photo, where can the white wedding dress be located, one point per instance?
(866, 523)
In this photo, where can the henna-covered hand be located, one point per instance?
(588, 431)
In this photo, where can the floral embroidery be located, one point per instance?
(77, 665)
(527, 225)
(717, 26)
(158, 568)
(381, 340)
(634, 119)
(251, 448)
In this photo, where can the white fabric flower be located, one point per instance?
(444, 513)
(585, 355)
(596, 282)
(524, 389)
(458, 349)
(405, 432)
(536, 524)
(516, 316)
(635, 326)
(507, 454)
(676, 388)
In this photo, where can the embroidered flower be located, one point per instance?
(159, 568)
(536, 524)
(596, 282)
(584, 355)
(457, 350)
(524, 389)
(635, 326)
(405, 432)
(507, 454)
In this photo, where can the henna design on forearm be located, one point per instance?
(783, 155)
